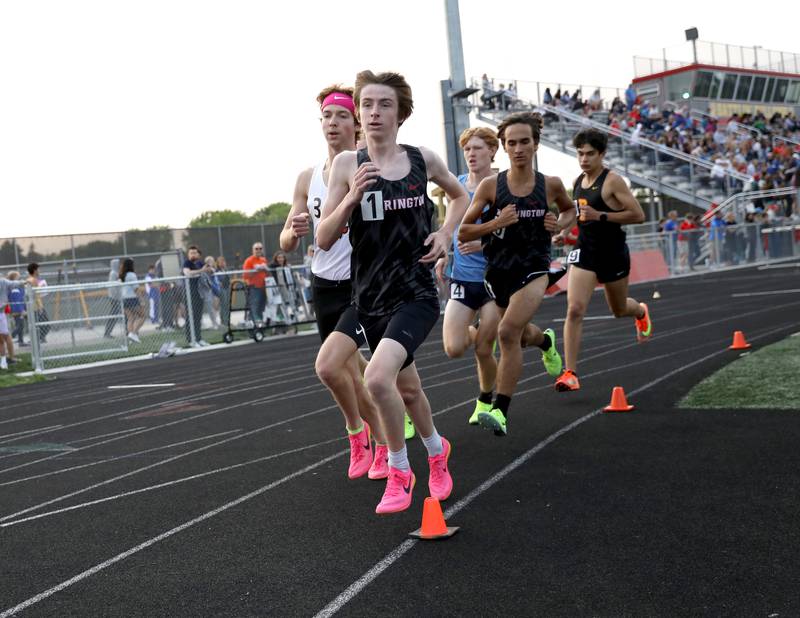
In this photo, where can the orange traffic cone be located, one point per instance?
(618, 401)
(739, 342)
(433, 525)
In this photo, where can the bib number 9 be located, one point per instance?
(574, 256)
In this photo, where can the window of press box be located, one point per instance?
(757, 93)
(702, 84)
(743, 89)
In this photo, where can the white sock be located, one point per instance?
(399, 460)
(433, 443)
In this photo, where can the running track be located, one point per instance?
(226, 494)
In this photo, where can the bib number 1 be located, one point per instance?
(372, 206)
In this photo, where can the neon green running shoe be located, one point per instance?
(410, 431)
(494, 420)
(551, 358)
(479, 407)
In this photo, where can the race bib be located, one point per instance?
(456, 291)
(372, 206)
(574, 256)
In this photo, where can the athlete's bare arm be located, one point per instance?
(298, 221)
(556, 193)
(619, 198)
(346, 185)
(484, 195)
(458, 199)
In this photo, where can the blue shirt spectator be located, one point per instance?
(630, 97)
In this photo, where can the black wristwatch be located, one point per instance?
(603, 217)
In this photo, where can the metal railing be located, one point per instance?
(722, 55)
(738, 201)
(82, 323)
(647, 163)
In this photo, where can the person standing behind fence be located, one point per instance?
(113, 297)
(209, 290)
(193, 268)
(255, 278)
(6, 342)
(224, 299)
(16, 304)
(38, 309)
(153, 294)
(134, 313)
(284, 278)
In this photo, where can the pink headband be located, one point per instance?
(339, 98)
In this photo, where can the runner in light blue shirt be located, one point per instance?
(468, 296)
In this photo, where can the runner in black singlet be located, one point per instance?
(517, 239)
(604, 203)
(380, 195)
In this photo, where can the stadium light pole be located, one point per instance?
(455, 92)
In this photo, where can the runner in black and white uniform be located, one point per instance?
(468, 295)
(332, 290)
(604, 203)
(380, 193)
(516, 233)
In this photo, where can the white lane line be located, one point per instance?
(133, 550)
(590, 317)
(29, 431)
(767, 293)
(105, 435)
(358, 586)
(123, 386)
(353, 590)
(170, 483)
(118, 457)
(161, 463)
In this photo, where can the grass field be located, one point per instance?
(11, 377)
(767, 378)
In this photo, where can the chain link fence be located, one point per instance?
(84, 323)
(84, 258)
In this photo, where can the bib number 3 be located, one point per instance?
(372, 206)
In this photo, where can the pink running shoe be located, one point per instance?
(397, 496)
(360, 453)
(440, 483)
(380, 465)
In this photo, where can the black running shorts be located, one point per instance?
(331, 298)
(473, 294)
(409, 326)
(608, 266)
(502, 284)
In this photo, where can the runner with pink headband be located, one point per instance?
(341, 99)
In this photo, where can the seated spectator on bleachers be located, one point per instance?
(595, 101)
(547, 99)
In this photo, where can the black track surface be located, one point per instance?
(658, 512)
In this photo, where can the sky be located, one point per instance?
(118, 114)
